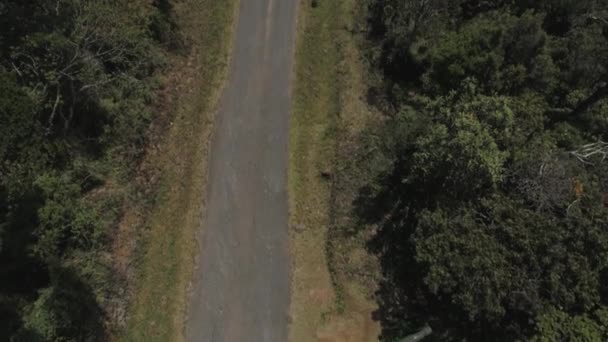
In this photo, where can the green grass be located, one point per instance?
(329, 112)
(312, 150)
(165, 258)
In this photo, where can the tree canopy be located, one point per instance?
(492, 211)
(76, 78)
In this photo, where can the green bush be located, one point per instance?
(77, 78)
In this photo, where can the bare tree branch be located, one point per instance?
(589, 151)
(53, 112)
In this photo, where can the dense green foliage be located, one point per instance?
(491, 192)
(75, 83)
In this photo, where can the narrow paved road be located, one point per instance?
(241, 287)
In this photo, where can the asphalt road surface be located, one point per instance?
(241, 287)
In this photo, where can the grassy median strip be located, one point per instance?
(165, 258)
